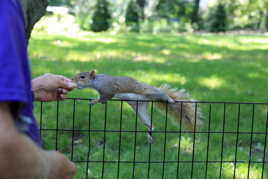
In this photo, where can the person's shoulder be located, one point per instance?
(9, 5)
(10, 11)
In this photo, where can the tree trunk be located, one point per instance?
(33, 10)
(195, 17)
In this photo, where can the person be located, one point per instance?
(21, 153)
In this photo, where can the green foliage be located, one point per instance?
(67, 3)
(101, 17)
(132, 16)
(174, 9)
(217, 20)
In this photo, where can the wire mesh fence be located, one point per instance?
(109, 141)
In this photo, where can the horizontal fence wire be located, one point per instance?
(119, 139)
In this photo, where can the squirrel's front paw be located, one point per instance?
(171, 100)
(92, 102)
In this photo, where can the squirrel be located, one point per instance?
(137, 93)
(108, 86)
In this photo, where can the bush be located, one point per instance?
(101, 17)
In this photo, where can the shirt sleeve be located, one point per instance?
(12, 51)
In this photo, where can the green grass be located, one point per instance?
(209, 67)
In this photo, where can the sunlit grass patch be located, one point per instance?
(212, 82)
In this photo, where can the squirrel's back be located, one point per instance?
(120, 84)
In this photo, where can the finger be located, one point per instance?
(66, 83)
(62, 91)
(62, 96)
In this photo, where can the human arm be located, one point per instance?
(21, 158)
(51, 87)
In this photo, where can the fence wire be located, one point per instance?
(109, 141)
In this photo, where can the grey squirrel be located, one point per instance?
(108, 86)
(126, 88)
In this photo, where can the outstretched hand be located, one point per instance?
(51, 87)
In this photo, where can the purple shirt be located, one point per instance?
(15, 77)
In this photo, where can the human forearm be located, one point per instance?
(20, 157)
(17, 152)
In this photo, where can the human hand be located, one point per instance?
(51, 87)
(59, 166)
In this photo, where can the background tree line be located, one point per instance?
(168, 15)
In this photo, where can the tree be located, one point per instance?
(218, 19)
(101, 17)
(142, 4)
(33, 10)
(132, 16)
(195, 15)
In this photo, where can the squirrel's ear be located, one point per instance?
(92, 74)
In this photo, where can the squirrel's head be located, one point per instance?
(84, 79)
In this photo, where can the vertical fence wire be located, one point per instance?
(194, 136)
(41, 119)
(150, 145)
(72, 152)
(265, 143)
(89, 140)
(222, 139)
(208, 137)
(237, 139)
(135, 140)
(104, 140)
(251, 138)
(120, 138)
(179, 144)
(57, 125)
(165, 142)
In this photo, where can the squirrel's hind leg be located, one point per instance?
(94, 101)
(160, 96)
(143, 116)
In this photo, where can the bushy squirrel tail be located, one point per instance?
(185, 111)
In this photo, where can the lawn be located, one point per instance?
(210, 67)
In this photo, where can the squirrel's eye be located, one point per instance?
(82, 77)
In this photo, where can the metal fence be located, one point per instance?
(109, 141)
